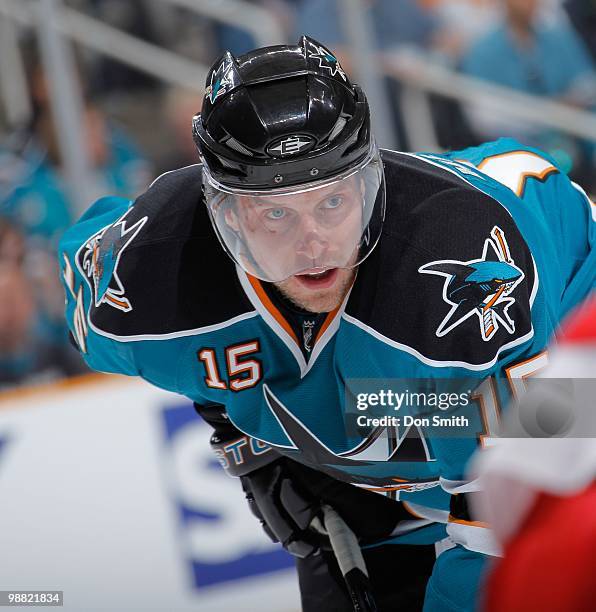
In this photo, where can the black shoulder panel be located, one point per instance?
(164, 269)
(451, 276)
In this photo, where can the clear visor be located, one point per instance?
(304, 229)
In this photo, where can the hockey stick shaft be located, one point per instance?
(350, 560)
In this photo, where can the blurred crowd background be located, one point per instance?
(434, 71)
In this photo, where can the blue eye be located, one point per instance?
(333, 202)
(275, 213)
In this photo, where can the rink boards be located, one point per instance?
(110, 493)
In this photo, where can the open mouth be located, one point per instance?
(317, 278)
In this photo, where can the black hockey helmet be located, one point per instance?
(278, 121)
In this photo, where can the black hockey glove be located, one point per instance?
(284, 511)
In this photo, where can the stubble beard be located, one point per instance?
(324, 300)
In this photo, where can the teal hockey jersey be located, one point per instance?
(482, 253)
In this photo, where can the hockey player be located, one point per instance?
(343, 263)
(548, 533)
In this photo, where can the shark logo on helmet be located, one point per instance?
(221, 81)
(479, 287)
(326, 59)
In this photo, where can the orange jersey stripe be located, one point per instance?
(452, 519)
(331, 316)
(524, 362)
(326, 323)
(256, 285)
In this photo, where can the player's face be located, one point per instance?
(319, 295)
(314, 232)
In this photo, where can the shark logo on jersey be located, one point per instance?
(479, 287)
(221, 81)
(326, 59)
(101, 256)
(354, 466)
